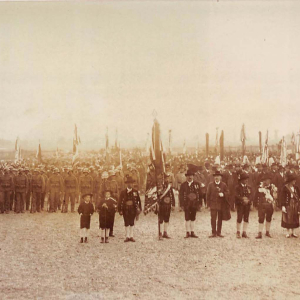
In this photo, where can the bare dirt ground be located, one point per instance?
(41, 258)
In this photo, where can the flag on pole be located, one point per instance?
(283, 153)
(106, 146)
(217, 141)
(260, 142)
(17, 150)
(39, 154)
(243, 139)
(265, 154)
(76, 142)
(170, 142)
(207, 144)
(184, 147)
(222, 146)
(293, 142)
(20, 156)
(298, 146)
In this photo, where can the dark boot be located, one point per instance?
(259, 236)
(106, 240)
(111, 234)
(213, 235)
(268, 234)
(193, 235)
(165, 235)
(244, 235)
(238, 235)
(187, 235)
(102, 240)
(81, 240)
(85, 239)
(132, 239)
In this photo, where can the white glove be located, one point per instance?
(221, 194)
(283, 209)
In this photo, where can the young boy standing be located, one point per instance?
(85, 210)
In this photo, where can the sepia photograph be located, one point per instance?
(149, 149)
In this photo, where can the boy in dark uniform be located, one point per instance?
(243, 197)
(85, 210)
(107, 208)
(129, 206)
(166, 204)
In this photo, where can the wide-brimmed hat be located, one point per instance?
(189, 173)
(217, 173)
(290, 177)
(129, 179)
(243, 176)
(88, 194)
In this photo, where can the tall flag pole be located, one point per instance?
(17, 150)
(293, 142)
(76, 142)
(283, 154)
(217, 141)
(222, 146)
(265, 154)
(39, 156)
(106, 146)
(158, 161)
(116, 141)
(243, 140)
(170, 142)
(260, 142)
(298, 146)
(184, 147)
(207, 145)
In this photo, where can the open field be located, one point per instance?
(41, 258)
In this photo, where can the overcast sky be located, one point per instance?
(199, 65)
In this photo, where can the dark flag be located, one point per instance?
(222, 146)
(243, 139)
(260, 144)
(207, 145)
(39, 154)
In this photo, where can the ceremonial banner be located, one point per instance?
(243, 139)
(222, 146)
(265, 154)
(283, 154)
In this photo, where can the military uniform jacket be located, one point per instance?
(70, 184)
(6, 183)
(286, 196)
(46, 182)
(214, 201)
(167, 198)
(190, 194)
(21, 184)
(129, 200)
(86, 184)
(261, 199)
(37, 184)
(55, 183)
(97, 185)
(243, 191)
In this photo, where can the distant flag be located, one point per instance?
(265, 154)
(283, 153)
(20, 156)
(222, 146)
(121, 164)
(260, 142)
(206, 144)
(243, 139)
(217, 141)
(17, 150)
(170, 142)
(184, 147)
(56, 154)
(39, 154)
(298, 146)
(76, 142)
(293, 142)
(106, 146)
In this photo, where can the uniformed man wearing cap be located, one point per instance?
(97, 188)
(217, 194)
(55, 188)
(45, 177)
(243, 199)
(21, 187)
(70, 190)
(37, 186)
(190, 199)
(7, 186)
(85, 183)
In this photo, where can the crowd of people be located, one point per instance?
(234, 184)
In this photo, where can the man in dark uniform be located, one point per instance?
(217, 193)
(37, 185)
(85, 183)
(7, 186)
(166, 204)
(70, 189)
(55, 189)
(44, 175)
(243, 197)
(190, 199)
(29, 175)
(21, 187)
(129, 206)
